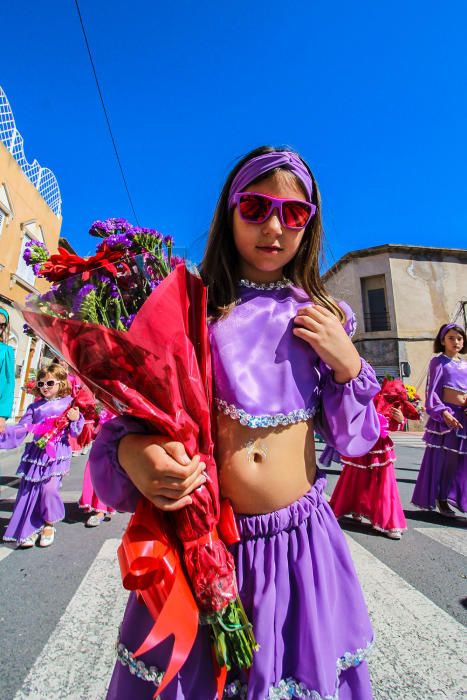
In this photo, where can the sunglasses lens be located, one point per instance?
(296, 214)
(254, 208)
(51, 382)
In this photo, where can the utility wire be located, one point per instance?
(105, 113)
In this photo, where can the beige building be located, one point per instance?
(401, 295)
(30, 208)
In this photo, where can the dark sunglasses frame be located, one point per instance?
(274, 203)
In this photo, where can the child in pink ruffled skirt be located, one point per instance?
(89, 500)
(367, 487)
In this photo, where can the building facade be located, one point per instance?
(30, 208)
(401, 295)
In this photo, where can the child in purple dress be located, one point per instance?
(442, 479)
(38, 504)
(282, 364)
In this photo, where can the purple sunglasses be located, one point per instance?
(256, 208)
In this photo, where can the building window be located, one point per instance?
(25, 271)
(375, 308)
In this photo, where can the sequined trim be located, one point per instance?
(438, 432)
(137, 667)
(286, 689)
(449, 449)
(456, 388)
(280, 284)
(369, 466)
(43, 478)
(265, 421)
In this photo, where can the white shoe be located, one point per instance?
(47, 540)
(393, 534)
(95, 520)
(29, 541)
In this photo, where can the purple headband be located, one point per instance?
(449, 327)
(261, 165)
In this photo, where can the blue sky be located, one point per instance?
(372, 94)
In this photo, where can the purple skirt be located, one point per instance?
(443, 471)
(38, 500)
(300, 590)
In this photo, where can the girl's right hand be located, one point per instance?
(2, 425)
(451, 421)
(161, 470)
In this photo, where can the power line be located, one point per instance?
(105, 112)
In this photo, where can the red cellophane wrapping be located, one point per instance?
(393, 394)
(160, 371)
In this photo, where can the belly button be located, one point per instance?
(256, 451)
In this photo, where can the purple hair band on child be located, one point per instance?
(449, 327)
(261, 165)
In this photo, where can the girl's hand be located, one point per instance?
(2, 425)
(396, 414)
(161, 470)
(450, 421)
(73, 414)
(324, 332)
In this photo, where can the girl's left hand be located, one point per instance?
(324, 332)
(73, 414)
(396, 414)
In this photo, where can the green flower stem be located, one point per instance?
(232, 634)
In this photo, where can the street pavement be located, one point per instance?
(61, 606)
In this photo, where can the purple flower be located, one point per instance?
(168, 241)
(115, 241)
(128, 320)
(80, 297)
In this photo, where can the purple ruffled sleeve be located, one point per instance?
(434, 390)
(14, 435)
(76, 426)
(348, 421)
(111, 483)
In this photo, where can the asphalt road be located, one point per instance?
(67, 599)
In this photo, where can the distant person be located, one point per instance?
(89, 500)
(442, 479)
(7, 370)
(38, 505)
(367, 486)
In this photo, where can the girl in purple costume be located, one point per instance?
(443, 473)
(38, 504)
(282, 364)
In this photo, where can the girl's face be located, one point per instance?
(265, 248)
(49, 392)
(453, 342)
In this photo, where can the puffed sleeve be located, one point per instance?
(110, 481)
(434, 390)
(14, 435)
(76, 426)
(7, 380)
(348, 420)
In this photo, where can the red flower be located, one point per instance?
(64, 264)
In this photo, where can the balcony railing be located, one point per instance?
(377, 322)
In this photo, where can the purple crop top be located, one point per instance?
(263, 374)
(444, 372)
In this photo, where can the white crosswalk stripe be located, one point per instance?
(404, 666)
(455, 539)
(420, 651)
(408, 439)
(5, 550)
(86, 633)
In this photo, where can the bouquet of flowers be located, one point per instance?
(131, 322)
(394, 394)
(414, 398)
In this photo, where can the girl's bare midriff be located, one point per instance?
(455, 396)
(264, 469)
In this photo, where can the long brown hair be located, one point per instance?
(220, 267)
